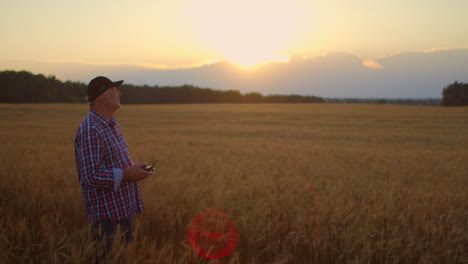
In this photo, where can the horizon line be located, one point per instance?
(207, 62)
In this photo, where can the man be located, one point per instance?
(107, 175)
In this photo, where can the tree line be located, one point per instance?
(25, 87)
(455, 94)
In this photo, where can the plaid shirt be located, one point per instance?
(99, 149)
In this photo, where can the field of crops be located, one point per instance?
(304, 183)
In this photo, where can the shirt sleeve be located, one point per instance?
(89, 156)
(118, 173)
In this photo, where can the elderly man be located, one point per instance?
(107, 175)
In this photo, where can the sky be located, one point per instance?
(175, 34)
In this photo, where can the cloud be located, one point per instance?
(443, 49)
(372, 65)
(432, 50)
(402, 75)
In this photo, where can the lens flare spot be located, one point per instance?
(213, 234)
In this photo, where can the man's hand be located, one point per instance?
(136, 172)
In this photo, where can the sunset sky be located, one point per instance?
(184, 33)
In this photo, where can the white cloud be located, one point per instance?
(372, 65)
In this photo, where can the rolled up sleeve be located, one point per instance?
(118, 174)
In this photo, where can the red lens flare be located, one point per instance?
(212, 234)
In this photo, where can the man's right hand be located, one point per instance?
(136, 172)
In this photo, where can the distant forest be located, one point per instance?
(25, 87)
(455, 94)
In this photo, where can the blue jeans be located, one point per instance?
(106, 230)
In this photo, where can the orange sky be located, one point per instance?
(181, 33)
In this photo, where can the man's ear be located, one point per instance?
(104, 96)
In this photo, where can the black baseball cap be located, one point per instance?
(99, 85)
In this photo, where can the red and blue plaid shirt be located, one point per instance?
(100, 148)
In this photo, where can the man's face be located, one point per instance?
(111, 98)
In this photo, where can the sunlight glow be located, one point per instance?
(254, 61)
(371, 64)
(247, 32)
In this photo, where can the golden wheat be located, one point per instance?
(305, 183)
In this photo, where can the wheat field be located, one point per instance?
(304, 183)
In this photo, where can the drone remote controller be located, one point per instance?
(151, 168)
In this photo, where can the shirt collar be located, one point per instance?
(101, 119)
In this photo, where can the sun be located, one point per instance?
(247, 32)
(253, 61)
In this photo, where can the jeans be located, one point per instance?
(106, 230)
